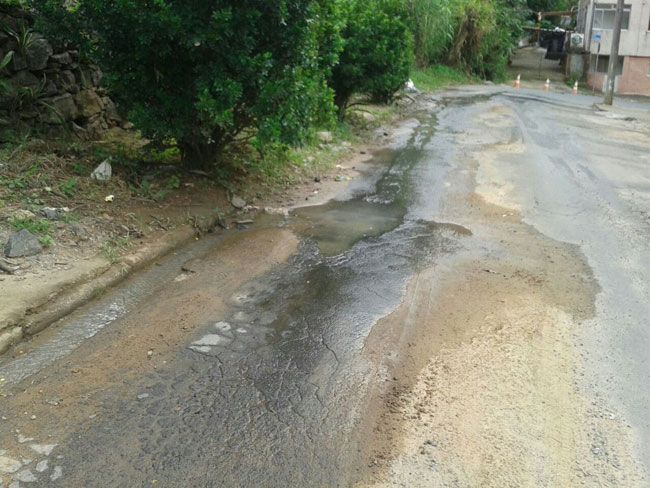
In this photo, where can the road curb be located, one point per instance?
(45, 314)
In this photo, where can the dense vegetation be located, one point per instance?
(376, 58)
(476, 36)
(206, 73)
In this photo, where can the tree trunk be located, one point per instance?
(199, 154)
(341, 100)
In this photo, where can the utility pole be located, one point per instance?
(613, 56)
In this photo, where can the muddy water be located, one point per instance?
(269, 393)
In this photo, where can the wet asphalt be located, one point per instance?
(272, 393)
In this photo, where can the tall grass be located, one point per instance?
(474, 36)
(433, 24)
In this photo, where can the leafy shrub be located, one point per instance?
(439, 76)
(205, 73)
(486, 36)
(377, 52)
(13, 3)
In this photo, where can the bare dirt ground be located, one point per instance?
(148, 207)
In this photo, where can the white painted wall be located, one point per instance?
(635, 41)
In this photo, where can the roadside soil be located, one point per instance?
(92, 235)
(486, 392)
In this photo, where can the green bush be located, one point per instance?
(205, 73)
(13, 3)
(377, 52)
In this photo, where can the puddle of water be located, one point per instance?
(338, 225)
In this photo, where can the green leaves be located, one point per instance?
(202, 72)
(6, 60)
(377, 52)
(207, 73)
(5, 86)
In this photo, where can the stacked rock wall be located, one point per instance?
(48, 88)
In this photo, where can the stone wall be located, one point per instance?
(46, 88)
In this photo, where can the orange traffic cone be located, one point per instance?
(518, 82)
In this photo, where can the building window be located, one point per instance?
(604, 14)
(599, 64)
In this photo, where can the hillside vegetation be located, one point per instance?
(203, 76)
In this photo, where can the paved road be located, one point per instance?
(270, 350)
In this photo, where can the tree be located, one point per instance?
(377, 53)
(206, 72)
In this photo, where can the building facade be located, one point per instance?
(596, 20)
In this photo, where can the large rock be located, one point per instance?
(96, 76)
(111, 110)
(89, 76)
(63, 109)
(25, 79)
(50, 88)
(50, 213)
(21, 244)
(38, 53)
(66, 80)
(103, 172)
(28, 113)
(96, 124)
(64, 59)
(89, 103)
(238, 202)
(18, 62)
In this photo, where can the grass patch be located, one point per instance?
(113, 249)
(281, 167)
(35, 226)
(46, 241)
(68, 187)
(439, 76)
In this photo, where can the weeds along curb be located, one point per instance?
(38, 319)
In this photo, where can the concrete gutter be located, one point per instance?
(56, 304)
